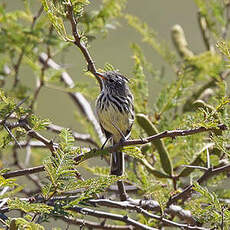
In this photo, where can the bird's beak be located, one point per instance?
(101, 75)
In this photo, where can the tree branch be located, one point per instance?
(94, 225)
(205, 32)
(77, 97)
(130, 206)
(100, 214)
(23, 172)
(185, 194)
(174, 133)
(79, 43)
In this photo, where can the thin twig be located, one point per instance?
(127, 205)
(100, 214)
(23, 172)
(94, 225)
(130, 204)
(205, 32)
(121, 189)
(49, 143)
(195, 167)
(31, 177)
(150, 205)
(185, 194)
(80, 44)
(11, 134)
(15, 108)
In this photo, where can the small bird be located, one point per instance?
(115, 110)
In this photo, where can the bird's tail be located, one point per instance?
(117, 163)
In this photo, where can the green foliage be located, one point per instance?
(213, 11)
(208, 208)
(205, 64)
(60, 167)
(139, 84)
(150, 129)
(22, 224)
(109, 67)
(92, 187)
(37, 123)
(98, 171)
(196, 96)
(133, 151)
(8, 106)
(103, 19)
(12, 188)
(27, 207)
(62, 172)
(150, 37)
(169, 98)
(95, 21)
(224, 48)
(55, 13)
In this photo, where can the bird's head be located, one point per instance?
(113, 82)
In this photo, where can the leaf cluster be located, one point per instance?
(195, 97)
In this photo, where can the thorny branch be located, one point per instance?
(23, 172)
(98, 152)
(128, 220)
(185, 194)
(174, 133)
(101, 214)
(95, 225)
(125, 201)
(79, 43)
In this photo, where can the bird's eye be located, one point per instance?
(111, 80)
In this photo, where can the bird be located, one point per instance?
(115, 111)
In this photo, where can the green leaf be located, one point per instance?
(55, 13)
(150, 129)
(93, 186)
(22, 224)
(38, 124)
(27, 207)
(133, 151)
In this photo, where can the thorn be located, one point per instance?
(11, 134)
(16, 107)
(141, 138)
(103, 222)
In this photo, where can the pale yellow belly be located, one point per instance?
(113, 121)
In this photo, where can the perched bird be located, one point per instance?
(115, 112)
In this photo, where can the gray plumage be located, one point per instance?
(115, 112)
